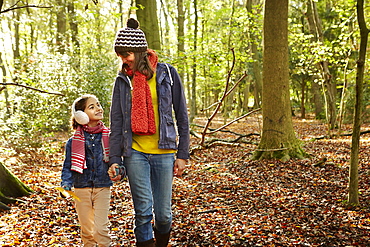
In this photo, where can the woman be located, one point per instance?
(143, 133)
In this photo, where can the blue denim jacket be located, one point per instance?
(96, 174)
(171, 98)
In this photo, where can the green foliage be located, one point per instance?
(338, 49)
(224, 25)
(34, 114)
(89, 64)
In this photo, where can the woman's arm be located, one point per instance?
(116, 125)
(181, 114)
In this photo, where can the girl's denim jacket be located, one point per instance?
(171, 99)
(96, 174)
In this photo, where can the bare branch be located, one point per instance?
(226, 93)
(25, 6)
(28, 87)
(245, 115)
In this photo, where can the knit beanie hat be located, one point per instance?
(131, 38)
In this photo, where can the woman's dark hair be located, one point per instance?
(141, 64)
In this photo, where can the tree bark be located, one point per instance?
(278, 140)
(61, 26)
(256, 58)
(353, 171)
(73, 25)
(147, 16)
(303, 97)
(11, 187)
(193, 102)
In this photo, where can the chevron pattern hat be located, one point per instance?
(131, 38)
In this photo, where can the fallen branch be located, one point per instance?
(196, 134)
(347, 134)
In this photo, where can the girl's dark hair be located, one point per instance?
(80, 105)
(141, 64)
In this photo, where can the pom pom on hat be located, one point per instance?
(81, 117)
(131, 38)
(132, 23)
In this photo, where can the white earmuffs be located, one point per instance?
(80, 116)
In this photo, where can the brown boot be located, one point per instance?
(148, 243)
(161, 240)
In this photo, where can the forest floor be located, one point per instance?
(223, 199)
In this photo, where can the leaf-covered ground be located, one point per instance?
(224, 199)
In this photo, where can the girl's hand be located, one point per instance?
(179, 167)
(112, 172)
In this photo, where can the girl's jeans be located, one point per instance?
(92, 210)
(150, 177)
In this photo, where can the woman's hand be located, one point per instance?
(112, 172)
(179, 167)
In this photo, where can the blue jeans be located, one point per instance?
(150, 177)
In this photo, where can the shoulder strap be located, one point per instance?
(169, 73)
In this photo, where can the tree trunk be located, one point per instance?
(61, 26)
(16, 50)
(147, 16)
(317, 99)
(329, 86)
(180, 35)
(73, 24)
(10, 187)
(278, 138)
(193, 102)
(303, 98)
(256, 58)
(353, 171)
(246, 96)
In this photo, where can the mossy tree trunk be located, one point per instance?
(10, 187)
(278, 140)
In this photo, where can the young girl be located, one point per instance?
(145, 94)
(85, 168)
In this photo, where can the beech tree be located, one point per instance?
(278, 138)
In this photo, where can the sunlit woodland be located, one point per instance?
(276, 89)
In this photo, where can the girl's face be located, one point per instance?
(129, 60)
(94, 110)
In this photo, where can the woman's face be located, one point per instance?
(129, 60)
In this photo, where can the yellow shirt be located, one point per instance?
(149, 143)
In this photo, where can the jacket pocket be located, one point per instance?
(170, 132)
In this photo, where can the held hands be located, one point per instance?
(179, 167)
(112, 172)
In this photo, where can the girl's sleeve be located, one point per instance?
(67, 179)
